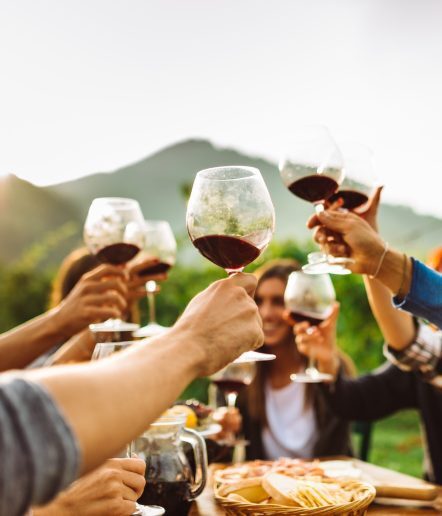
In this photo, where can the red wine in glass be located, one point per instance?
(228, 385)
(314, 188)
(117, 254)
(229, 252)
(299, 316)
(351, 199)
(157, 268)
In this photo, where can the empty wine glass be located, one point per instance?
(360, 178)
(159, 243)
(313, 170)
(309, 297)
(104, 350)
(230, 216)
(113, 231)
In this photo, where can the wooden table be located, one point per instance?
(205, 505)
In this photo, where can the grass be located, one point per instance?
(397, 444)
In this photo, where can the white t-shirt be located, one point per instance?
(291, 429)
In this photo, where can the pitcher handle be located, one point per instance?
(200, 453)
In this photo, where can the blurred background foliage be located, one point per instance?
(24, 293)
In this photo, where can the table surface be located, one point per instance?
(206, 505)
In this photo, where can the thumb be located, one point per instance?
(333, 317)
(372, 205)
(247, 281)
(337, 221)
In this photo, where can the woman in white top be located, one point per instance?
(280, 417)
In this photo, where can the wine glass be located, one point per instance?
(104, 350)
(231, 380)
(313, 171)
(113, 232)
(360, 179)
(309, 297)
(230, 216)
(159, 243)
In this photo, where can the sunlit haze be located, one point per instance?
(93, 85)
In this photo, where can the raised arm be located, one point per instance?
(99, 407)
(99, 294)
(415, 287)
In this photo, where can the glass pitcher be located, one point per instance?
(171, 482)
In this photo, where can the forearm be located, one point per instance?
(110, 402)
(23, 344)
(78, 349)
(397, 326)
(396, 273)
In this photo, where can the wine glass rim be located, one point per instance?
(116, 200)
(253, 172)
(154, 222)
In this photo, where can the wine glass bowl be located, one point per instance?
(233, 378)
(360, 178)
(309, 298)
(113, 230)
(230, 216)
(159, 244)
(313, 169)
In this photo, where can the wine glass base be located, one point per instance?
(314, 377)
(150, 330)
(148, 510)
(327, 267)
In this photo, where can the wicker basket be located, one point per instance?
(357, 507)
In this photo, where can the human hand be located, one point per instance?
(360, 240)
(99, 295)
(111, 489)
(140, 273)
(320, 342)
(230, 419)
(222, 322)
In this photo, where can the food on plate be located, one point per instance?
(198, 414)
(191, 418)
(258, 468)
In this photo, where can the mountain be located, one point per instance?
(31, 217)
(160, 183)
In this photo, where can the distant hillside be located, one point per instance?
(159, 183)
(31, 216)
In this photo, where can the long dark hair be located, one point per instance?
(280, 269)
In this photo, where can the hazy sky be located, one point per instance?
(91, 85)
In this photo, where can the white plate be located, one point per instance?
(254, 356)
(210, 430)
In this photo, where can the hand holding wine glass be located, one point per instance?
(309, 299)
(319, 341)
(312, 170)
(113, 231)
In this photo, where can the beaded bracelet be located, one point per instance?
(373, 276)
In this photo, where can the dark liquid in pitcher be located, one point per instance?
(172, 496)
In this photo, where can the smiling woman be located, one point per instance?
(280, 417)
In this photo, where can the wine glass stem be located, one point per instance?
(151, 302)
(231, 399)
(319, 207)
